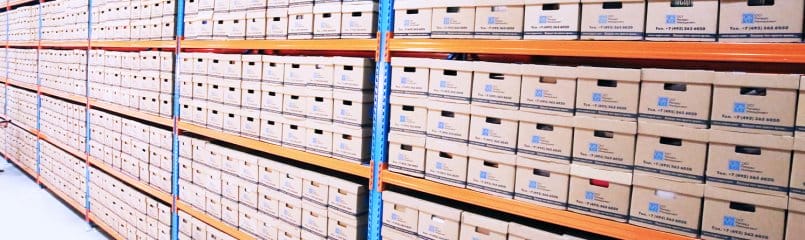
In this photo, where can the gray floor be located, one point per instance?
(28, 212)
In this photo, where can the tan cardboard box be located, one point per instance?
(215, 155)
(348, 197)
(268, 201)
(760, 21)
(290, 180)
(545, 137)
(600, 193)
(300, 22)
(548, 89)
(272, 99)
(248, 193)
(522, 232)
(200, 111)
(294, 135)
(352, 108)
(230, 161)
(552, 19)
(676, 97)
(608, 92)
(497, 85)
(407, 154)
(400, 212)
(353, 144)
(353, 73)
(322, 72)
(251, 94)
(294, 103)
(327, 20)
(671, 152)
(493, 129)
(541, 182)
(215, 115)
(491, 172)
(666, 205)
(229, 211)
(796, 217)
(314, 219)
(213, 181)
(734, 214)
(681, 21)
(448, 127)
(800, 121)
(451, 81)
(256, 24)
(271, 127)
(230, 186)
(601, 20)
(474, 226)
(412, 19)
(319, 140)
(273, 71)
(315, 188)
(409, 115)
(343, 226)
(290, 210)
(269, 173)
(438, 221)
(755, 102)
(247, 218)
(250, 123)
(277, 23)
(410, 77)
(501, 19)
(213, 206)
(749, 162)
(186, 223)
(447, 168)
(267, 226)
(797, 185)
(358, 20)
(604, 143)
(453, 19)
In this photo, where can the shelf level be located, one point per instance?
(691, 51)
(165, 197)
(126, 111)
(105, 227)
(316, 45)
(554, 216)
(218, 224)
(78, 207)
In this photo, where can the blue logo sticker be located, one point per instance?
(395, 217)
(589, 195)
(339, 199)
(400, 156)
(446, 20)
(343, 112)
(659, 155)
(670, 19)
(432, 228)
(342, 146)
(597, 97)
(662, 102)
(490, 20)
(734, 165)
(748, 18)
(407, 23)
(440, 125)
(539, 93)
(484, 174)
(402, 119)
(729, 221)
(488, 88)
(338, 231)
(593, 147)
(532, 184)
(344, 78)
(543, 19)
(739, 107)
(602, 19)
(653, 207)
(442, 84)
(535, 139)
(485, 132)
(404, 80)
(439, 165)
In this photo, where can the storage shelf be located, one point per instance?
(24, 168)
(691, 51)
(315, 45)
(135, 44)
(318, 160)
(555, 216)
(217, 224)
(63, 95)
(31, 87)
(105, 227)
(165, 197)
(23, 43)
(19, 2)
(78, 207)
(126, 111)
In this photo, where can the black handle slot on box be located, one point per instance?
(671, 141)
(748, 150)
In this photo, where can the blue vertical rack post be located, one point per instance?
(87, 108)
(38, 94)
(179, 23)
(5, 87)
(380, 119)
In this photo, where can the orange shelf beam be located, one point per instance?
(106, 228)
(131, 112)
(318, 160)
(23, 85)
(63, 95)
(135, 44)
(63, 197)
(23, 43)
(316, 45)
(691, 51)
(19, 164)
(19, 2)
(559, 217)
(165, 197)
(218, 224)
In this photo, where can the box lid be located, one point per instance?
(796, 205)
(480, 3)
(605, 124)
(410, 62)
(756, 140)
(275, 59)
(409, 101)
(475, 152)
(452, 3)
(448, 106)
(448, 213)
(686, 188)
(494, 67)
(355, 96)
(252, 58)
(550, 1)
(600, 174)
(246, 112)
(346, 186)
(277, 12)
(256, 14)
(772, 201)
(363, 6)
(346, 219)
(493, 112)
(678, 76)
(330, 7)
(527, 232)
(315, 177)
(402, 138)
(600, 1)
(485, 222)
(742, 79)
(619, 74)
(401, 199)
(673, 131)
(452, 65)
(413, 4)
(550, 71)
(556, 167)
(563, 121)
(352, 61)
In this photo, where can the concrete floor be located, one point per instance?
(29, 212)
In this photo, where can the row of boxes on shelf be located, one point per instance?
(63, 122)
(265, 198)
(281, 20)
(140, 80)
(64, 172)
(129, 212)
(134, 20)
(137, 149)
(666, 20)
(64, 70)
(22, 23)
(21, 107)
(21, 65)
(20, 145)
(407, 218)
(64, 20)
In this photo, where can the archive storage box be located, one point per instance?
(600, 193)
(671, 152)
(474, 226)
(608, 92)
(669, 20)
(453, 19)
(749, 162)
(412, 19)
(755, 103)
(797, 185)
(735, 214)
(604, 143)
(327, 20)
(666, 205)
(400, 212)
(800, 121)
(677, 97)
(545, 137)
(497, 85)
(358, 20)
(621, 20)
(500, 19)
(551, 19)
(796, 216)
(522, 232)
(548, 89)
(492, 131)
(438, 221)
(491, 172)
(760, 21)
(277, 23)
(407, 154)
(541, 182)
(450, 81)
(410, 77)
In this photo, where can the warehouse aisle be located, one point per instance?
(32, 213)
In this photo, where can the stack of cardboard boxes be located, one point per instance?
(64, 69)
(18, 146)
(281, 19)
(22, 107)
(22, 65)
(64, 20)
(63, 122)
(23, 23)
(64, 172)
(663, 20)
(139, 80)
(131, 20)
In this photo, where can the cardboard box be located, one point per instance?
(542, 182)
(269, 173)
(268, 201)
(413, 19)
(666, 205)
(294, 136)
(409, 116)
(797, 185)
(352, 144)
(407, 154)
(552, 19)
(474, 226)
(608, 92)
(761, 21)
(735, 214)
(388, 233)
(604, 143)
(667, 20)
(314, 219)
(800, 121)
(286, 231)
(322, 72)
(671, 152)
(229, 211)
(622, 20)
(545, 137)
(600, 193)
(448, 127)
(522, 232)
(676, 96)
(248, 193)
(488, 132)
(277, 23)
(401, 212)
(410, 77)
(749, 162)
(230, 186)
(438, 221)
(290, 210)
(271, 126)
(272, 99)
(755, 103)
(250, 123)
(353, 74)
(352, 109)
(256, 24)
(491, 172)
(294, 104)
(213, 206)
(796, 216)
(501, 19)
(300, 22)
(358, 20)
(445, 167)
(497, 85)
(319, 107)
(247, 218)
(453, 19)
(347, 197)
(327, 20)
(451, 81)
(266, 226)
(290, 180)
(342, 226)
(315, 188)
(200, 112)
